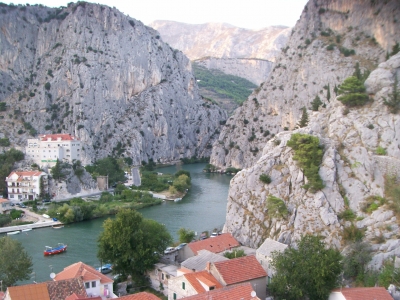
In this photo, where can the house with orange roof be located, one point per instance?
(241, 270)
(96, 283)
(140, 296)
(48, 148)
(26, 185)
(50, 290)
(218, 244)
(5, 207)
(361, 293)
(239, 292)
(191, 283)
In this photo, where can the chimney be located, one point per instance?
(208, 267)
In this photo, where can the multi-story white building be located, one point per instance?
(26, 185)
(48, 148)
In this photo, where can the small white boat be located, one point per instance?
(13, 232)
(177, 199)
(58, 226)
(26, 229)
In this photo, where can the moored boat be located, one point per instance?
(13, 232)
(58, 226)
(26, 229)
(55, 250)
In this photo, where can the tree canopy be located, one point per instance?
(7, 160)
(15, 263)
(186, 235)
(352, 92)
(132, 243)
(309, 272)
(107, 166)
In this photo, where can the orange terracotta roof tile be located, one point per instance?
(196, 278)
(240, 269)
(237, 292)
(3, 200)
(140, 296)
(54, 137)
(25, 173)
(81, 297)
(29, 292)
(59, 290)
(216, 244)
(365, 293)
(82, 270)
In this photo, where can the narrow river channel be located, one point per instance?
(203, 208)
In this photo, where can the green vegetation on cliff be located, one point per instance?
(226, 86)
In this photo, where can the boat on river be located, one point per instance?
(55, 250)
(26, 229)
(58, 226)
(13, 232)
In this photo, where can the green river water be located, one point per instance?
(203, 208)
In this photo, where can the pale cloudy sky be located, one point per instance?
(251, 14)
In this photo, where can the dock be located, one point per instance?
(40, 224)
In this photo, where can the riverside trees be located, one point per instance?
(15, 263)
(132, 243)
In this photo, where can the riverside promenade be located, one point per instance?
(39, 222)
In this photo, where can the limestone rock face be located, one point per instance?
(351, 169)
(222, 40)
(306, 69)
(93, 72)
(236, 51)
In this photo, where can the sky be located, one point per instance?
(250, 14)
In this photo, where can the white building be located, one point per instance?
(264, 255)
(26, 185)
(47, 148)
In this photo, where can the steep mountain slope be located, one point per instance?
(91, 71)
(222, 40)
(360, 167)
(307, 68)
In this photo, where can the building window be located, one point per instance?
(87, 285)
(174, 296)
(183, 285)
(93, 284)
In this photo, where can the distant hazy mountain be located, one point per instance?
(223, 40)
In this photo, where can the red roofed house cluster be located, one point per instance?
(26, 185)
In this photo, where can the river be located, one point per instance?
(203, 208)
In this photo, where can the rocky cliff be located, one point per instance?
(317, 58)
(360, 166)
(91, 71)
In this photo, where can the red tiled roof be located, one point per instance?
(364, 293)
(240, 269)
(140, 296)
(82, 270)
(216, 244)
(29, 292)
(203, 276)
(26, 173)
(3, 200)
(54, 137)
(81, 297)
(237, 292)
(59, 290)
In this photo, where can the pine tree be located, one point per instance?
(304, 119)
(316, 103)
(352, 92)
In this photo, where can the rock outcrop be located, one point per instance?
(361, 159)
(93, 72)
(316, 59)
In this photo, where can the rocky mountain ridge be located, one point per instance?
(361, 160)
(91, 71)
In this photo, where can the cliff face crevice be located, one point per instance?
(106, 78)
(316, 58)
